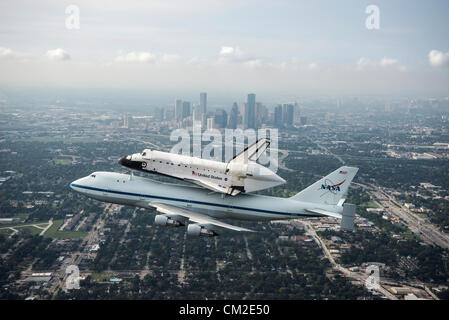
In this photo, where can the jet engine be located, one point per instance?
(199, 231)
(166, 221)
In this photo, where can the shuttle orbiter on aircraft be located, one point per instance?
(241, 174)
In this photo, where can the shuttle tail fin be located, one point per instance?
(332, 189)
(252, 152)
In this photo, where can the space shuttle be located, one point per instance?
(242, 174)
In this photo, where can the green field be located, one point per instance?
(63, 161)
(369, 204)
(53, 232)
(6, 231)
(33, 230)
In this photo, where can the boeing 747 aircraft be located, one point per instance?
(204, 211)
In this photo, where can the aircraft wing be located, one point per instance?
(253, 152)
(325, 213)
(202, 219)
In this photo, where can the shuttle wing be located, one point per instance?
(215, 187)
(199, 218)
(209, 185)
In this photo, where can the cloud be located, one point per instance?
(362, 63)
(58, 54)
(136, 57)
(387, 62)
(148, 57)
(235, 55)
(231, 54)
(313, 66)
(7, 53)
(365, 63)
(438, 59)
(170, 58)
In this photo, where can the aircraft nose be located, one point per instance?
(74, 184)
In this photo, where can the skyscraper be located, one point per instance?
(234, 116)
(220, 118)
(288, 114)
(203, 107)
(249, 116)
(278, 116)
(210, 123)
(185, 109)
(178, 110)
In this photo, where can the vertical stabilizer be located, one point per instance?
(329, 190)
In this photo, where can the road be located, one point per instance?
(361, 277)
(92, 238)
(50, 223)
(427, 231)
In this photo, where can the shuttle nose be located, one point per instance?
(127, 162)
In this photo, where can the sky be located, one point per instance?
(282, 48)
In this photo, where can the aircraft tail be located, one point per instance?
(332, 189)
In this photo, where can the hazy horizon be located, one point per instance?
(276, 49)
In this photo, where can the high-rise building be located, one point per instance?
(185, 109)
(210, 123)
(178, 110)
(203, 102)
(261, 114)
(278, 122)
(125, 121)
(288, 114)
(196, 112)
(249, 115)
(158, 114)
(220, 118)
(234, 116)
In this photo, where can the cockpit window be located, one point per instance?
(144, 154)
(92, 175)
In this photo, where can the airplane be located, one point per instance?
(205, 211)
(242, 174)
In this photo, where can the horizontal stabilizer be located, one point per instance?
(324, 213)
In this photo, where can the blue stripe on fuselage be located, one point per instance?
(191, 201)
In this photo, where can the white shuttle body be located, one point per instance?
(241, 174)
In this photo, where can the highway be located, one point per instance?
(427, 231)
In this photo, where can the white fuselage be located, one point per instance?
(214, 175)
(137, 191)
